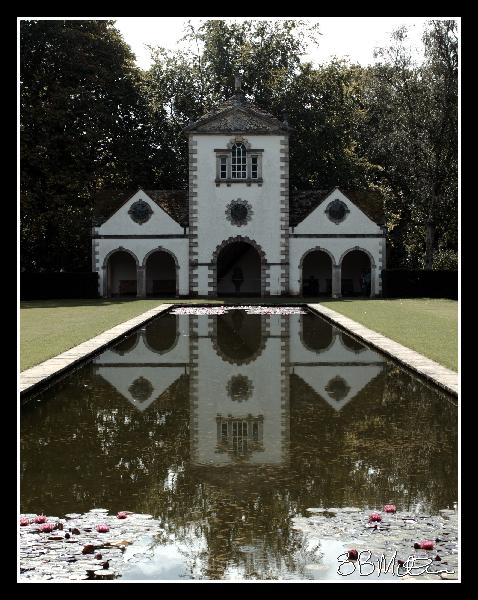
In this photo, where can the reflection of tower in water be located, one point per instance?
(239, 389)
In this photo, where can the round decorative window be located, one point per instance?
(140, 212)
(239, 212)
(239, 388)
(337, 211)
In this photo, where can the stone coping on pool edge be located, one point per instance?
(431, 370)
(33, 377)
(441, 376)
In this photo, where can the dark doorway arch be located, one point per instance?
(239, 270)
(356, 272)
(122, 279)
(316, 274)
(161, 274)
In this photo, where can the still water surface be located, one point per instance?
(226, 427)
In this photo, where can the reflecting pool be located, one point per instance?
(228, 426)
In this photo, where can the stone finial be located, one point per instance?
(284, 117)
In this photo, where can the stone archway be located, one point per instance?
(238, 268)
(160, 273)
(357, 273)
(316, 273)
(120, 273)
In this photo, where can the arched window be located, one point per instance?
(239, 161)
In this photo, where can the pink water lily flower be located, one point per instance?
(40, 519)
(47, 527)
(375, 517)
(426, 544)
(102, 528)
(390, 508)
(24, 521)
(122, 515)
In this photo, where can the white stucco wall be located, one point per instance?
(337, 352)
(318, 368)
(159, 224)
(337, 247)
(213, 226)
(213, 399)
(160, 369)
(141, 354)
(140, 248)
(121, 223)
(318, 224)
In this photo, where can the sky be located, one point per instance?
(352, 37)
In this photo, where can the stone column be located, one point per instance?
(104, 286)
(140, 282)
(336, 281)
(372, 281)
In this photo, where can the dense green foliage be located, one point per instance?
(90, 119)
(82, 127)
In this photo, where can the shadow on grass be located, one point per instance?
(99, 302)
(72, 302)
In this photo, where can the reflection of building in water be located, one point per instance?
(239, 389)
(144, 365)
(239, 367)
(333, 364)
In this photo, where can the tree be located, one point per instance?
(323, 105)
(411, 131)
(82, 128)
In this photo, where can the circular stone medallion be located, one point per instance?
(140, 212)
(239, 212)
(337, 211)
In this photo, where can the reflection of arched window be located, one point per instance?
(126, 345)
(239, 436)
(317, 334)
(239, 336)
(352, 344)
(161, 334)
(239, 161)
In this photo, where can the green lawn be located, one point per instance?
(427, 325)
(49, 327)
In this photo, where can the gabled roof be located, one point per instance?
(173, 202)
(237, 115)
(302, 203)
